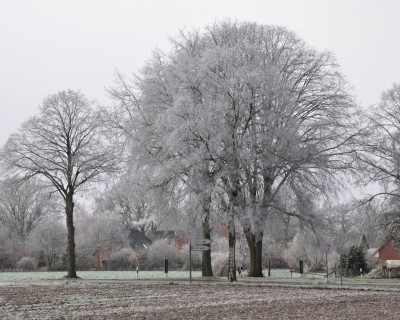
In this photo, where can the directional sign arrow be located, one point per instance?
(200, 248)
(201, 242)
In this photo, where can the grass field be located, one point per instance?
(126, 275)
(119, 295)
(278, 277)
(96, 275)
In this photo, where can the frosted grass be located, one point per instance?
(96, 275)
(132, 275)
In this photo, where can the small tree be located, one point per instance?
(352, 261)
(65, 145)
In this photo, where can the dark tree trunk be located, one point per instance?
(232, 253)
(254, 243)
(69, 210)
(206, 255)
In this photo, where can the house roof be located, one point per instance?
(137, 239)
(371, 252)
(377, 250)
(342, 241)
(166, 234)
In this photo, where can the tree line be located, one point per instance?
(238, 124)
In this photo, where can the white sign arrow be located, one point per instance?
(200, 242)
(200, 248)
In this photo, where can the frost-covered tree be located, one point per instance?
(378, 152)
(136, 206)
(51, 240)
(23, 207)
(178, 177)
(248, 109)
(65, 146)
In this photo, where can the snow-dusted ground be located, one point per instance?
(62, 299)
(115, 295)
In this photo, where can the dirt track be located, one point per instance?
(86, 300)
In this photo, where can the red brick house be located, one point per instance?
(386, 252)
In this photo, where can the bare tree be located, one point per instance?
(51, 239)
(379, 147)
(136, 206)
(378, 153)
(23, 206)
(64, 145)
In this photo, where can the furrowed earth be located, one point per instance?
(80, 299)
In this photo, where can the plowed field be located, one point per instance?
(90, 300)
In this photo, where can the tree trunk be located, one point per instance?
(206, 255)
(232, 242)
(254, 243)
(69, 210)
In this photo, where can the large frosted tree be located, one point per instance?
(246, 109)
(64, 145)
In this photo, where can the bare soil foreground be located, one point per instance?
(121, 300)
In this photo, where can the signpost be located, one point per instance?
(197, 245)
(200, 248)
(201, 242)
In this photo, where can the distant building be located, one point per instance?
(387, 252)
(177, 237)
(138, 240)
(342, 241)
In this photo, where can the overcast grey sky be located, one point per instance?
(48, 46)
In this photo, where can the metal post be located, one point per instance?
(301, 267)
(326, 260)
(269, 268)
(190, 261)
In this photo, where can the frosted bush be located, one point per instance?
(163, 249)
(305, 247)
(27, 264)
(196, 258)
(298, 251)
(124, 259)
(220, 264)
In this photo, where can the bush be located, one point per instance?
(220, 264)
(165, 249)
(301, 249)
(158, 252)
(124, 259)
(27, 264)
(7, 262)
(352, 261)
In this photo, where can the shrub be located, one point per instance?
(158, 252)
(352, 261)
(220, 264)
(185, 259)
(165, 249)
(124, 259)
(27, 264)
(7, 262)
